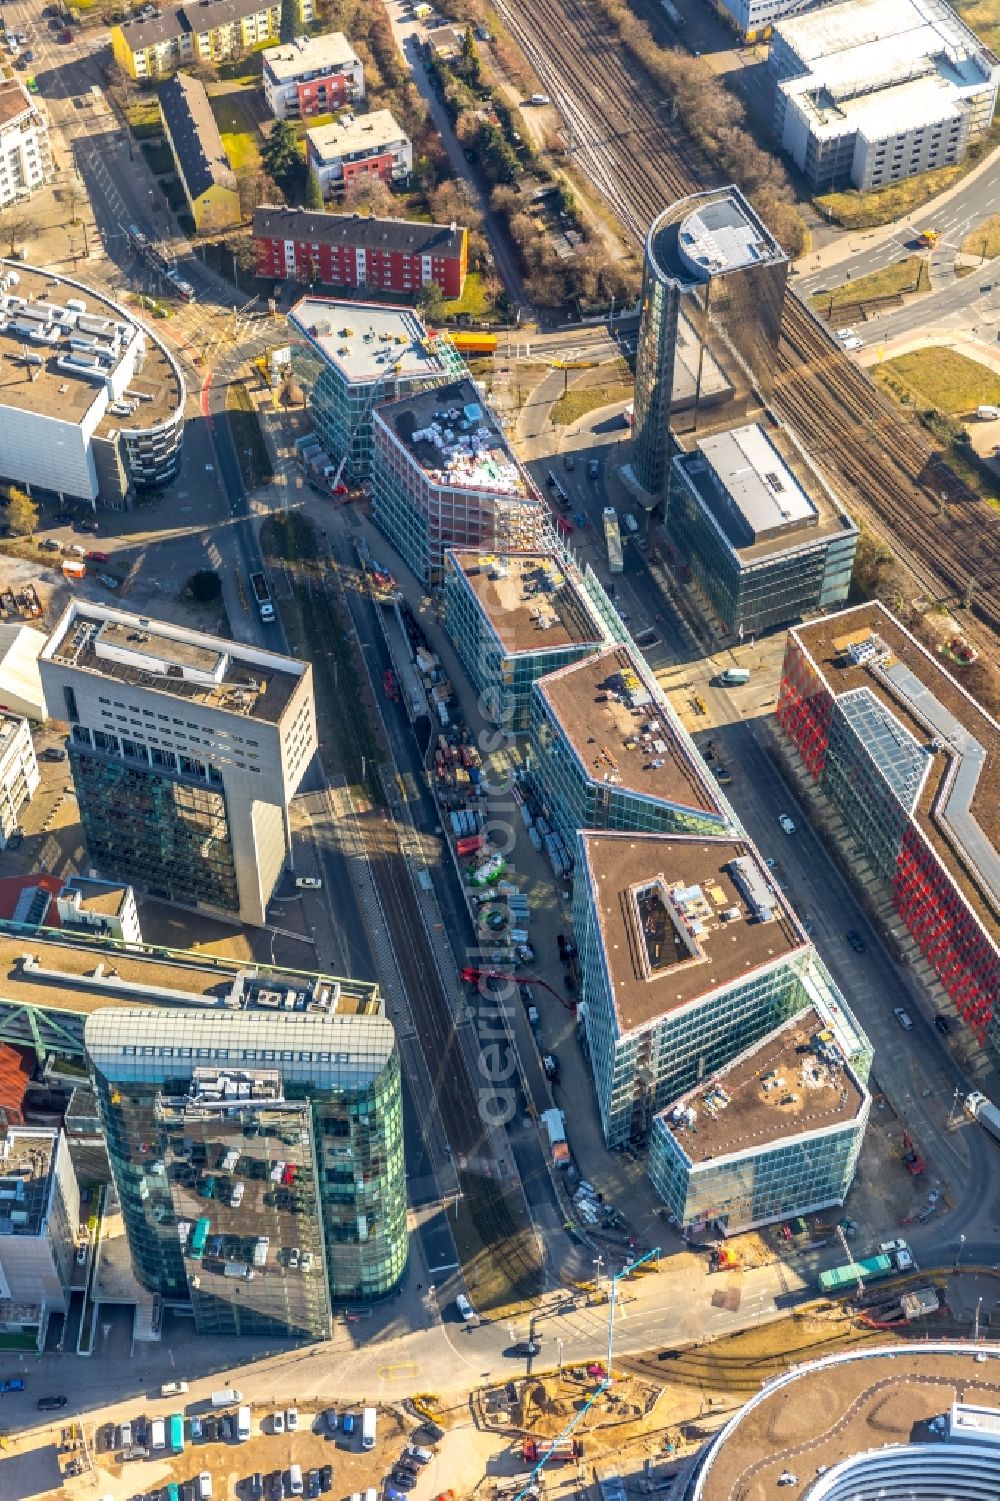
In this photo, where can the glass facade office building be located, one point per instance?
(258, 1159)
(763, 535)
(713, 288)
(501, 673)
(349, 356)
(577, 796)
(161, 826)
(773, 1182)
(886, 774)
(644, 1058)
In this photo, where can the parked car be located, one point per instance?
(855, 940)
(326, 1477)
(278, 1422)
(943, 1025)
(292, 1419)
(53, 753)
(903, 1017)
(786, 823)
(404, 1480)
(15, 840)
(418, 1455)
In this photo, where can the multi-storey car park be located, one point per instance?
(712, 292)
(186, 750)
(871, 91)
(608, 752)
(91, 402)
(444, 476)
(689, 955)
(309, 1124)
(910, 763)
(762, 531)
(347, 356)
(776, 1133)
(896, 1422)
(515, 617)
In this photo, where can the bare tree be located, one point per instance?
(15, 227)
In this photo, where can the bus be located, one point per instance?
(175, 1433)
(199, 1238)
(559, 495)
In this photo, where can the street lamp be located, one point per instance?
(958, 1253)
(975, 1333)
(598, 1262)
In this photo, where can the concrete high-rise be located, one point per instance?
(186, 751)
(713, 287)
(257, 1154)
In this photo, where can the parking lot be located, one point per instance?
(320, 1449)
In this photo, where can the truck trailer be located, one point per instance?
(262, 594)
(613, 540)
(839, 1278)
(982, 1110)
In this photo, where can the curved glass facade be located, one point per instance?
(712, 293)
(261, 1184)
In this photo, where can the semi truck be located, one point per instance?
(839, 1278)
(613, 539)
(985, 1112)
(262, 595)
(560, 1452)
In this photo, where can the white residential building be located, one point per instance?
(106, 907)
(25, 155)
(39, 1221)
(357, 148)
(870, 92)
(18, 773)
(312, 76)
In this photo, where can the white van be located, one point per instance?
(260, 1250)
(243, 1424)
(230, 1160)
(988, 414)
(369, 1423)
(205, 1486)
(158, 1434)
(540, 99)
(631, 525)
(295, 1480)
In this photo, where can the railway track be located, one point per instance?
(496, 1213)
(890, 474)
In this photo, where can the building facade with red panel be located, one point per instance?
(357, 148)
(348, 250)
(911, 764)
(312, 76)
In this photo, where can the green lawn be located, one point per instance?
(908, 275)
(238, 129)
(474, 299)
(945, 379)
(580, 400)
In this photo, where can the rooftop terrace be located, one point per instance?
(682, 917)
(455, 439)
(938, 748)
(795, 1081)
(529, 599)
(154, 655)
(27, 1159)
(622, 730)
(368, 341)
(56, 359)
